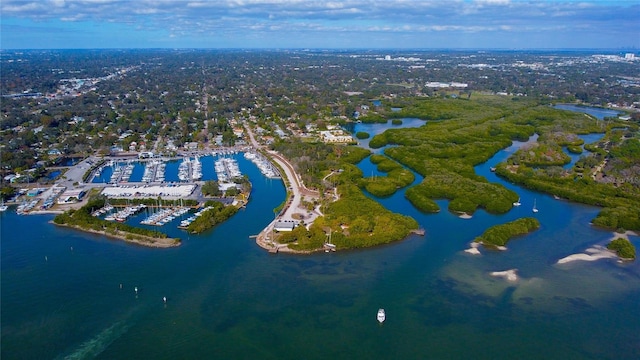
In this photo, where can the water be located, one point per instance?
(599, 113)
(226, 298)
(54, 174)
(378, 128)
(588, 139)
(70, 161)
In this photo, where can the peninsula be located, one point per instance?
(83, 220)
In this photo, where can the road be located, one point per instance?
(297, 189)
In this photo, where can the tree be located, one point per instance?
(211, 188)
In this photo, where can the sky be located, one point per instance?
(330, 24)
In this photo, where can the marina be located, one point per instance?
(149, 191)
(189, 168)
(106, 209)
(227, 169)
(186, 222)
(162, 216)
(266, 167)
(123, 214)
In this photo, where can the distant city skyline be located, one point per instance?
(397, 24)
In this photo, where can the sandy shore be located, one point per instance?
(140, 239)
(509, 275)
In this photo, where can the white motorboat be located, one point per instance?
(381, 316)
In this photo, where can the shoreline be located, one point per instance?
(121, 235)
(274, 247)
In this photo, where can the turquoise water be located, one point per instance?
(228, 299)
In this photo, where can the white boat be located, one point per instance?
(381, 316)
(3, 207)
(535, 209)
(517, 203)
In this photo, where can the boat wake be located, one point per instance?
(93, 347)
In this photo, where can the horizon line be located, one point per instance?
(339, 49)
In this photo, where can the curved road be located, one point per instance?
(294, 205)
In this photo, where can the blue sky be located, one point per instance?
(452, 24)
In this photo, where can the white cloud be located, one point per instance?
(493, 2)
(377, 16)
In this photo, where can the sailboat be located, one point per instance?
(517, 203)
(535, 209)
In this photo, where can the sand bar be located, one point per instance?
(509, 275)
(591, 254)
(473, 249)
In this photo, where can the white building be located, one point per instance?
(335, 136)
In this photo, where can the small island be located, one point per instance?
(624, 248)
(498, 235)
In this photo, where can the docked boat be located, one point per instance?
(184, 170)
(3, 207)
(196, 169)
(381, 316)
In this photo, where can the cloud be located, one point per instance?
(282, 17)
